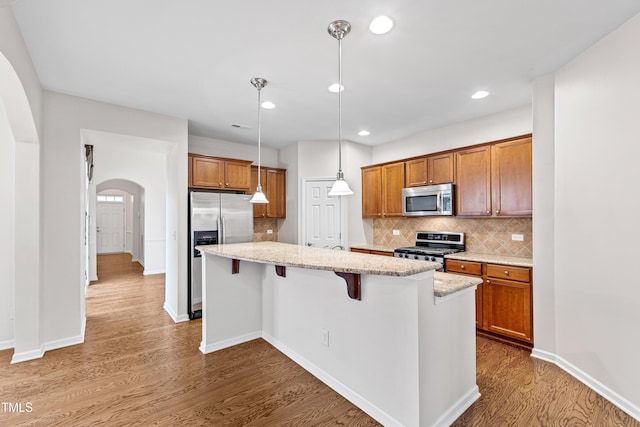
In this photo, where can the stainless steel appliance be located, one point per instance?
(432, 246)
(214, 218)
(428, 200)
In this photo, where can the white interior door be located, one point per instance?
(110, 227)
(322, 215)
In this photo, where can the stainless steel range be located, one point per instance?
(432, 246)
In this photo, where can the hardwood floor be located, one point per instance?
(137, 367)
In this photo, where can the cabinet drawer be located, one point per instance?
(520, 274)
(383, 253)
(467, 267)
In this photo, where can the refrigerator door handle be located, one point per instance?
(224, 229)
(220, 232)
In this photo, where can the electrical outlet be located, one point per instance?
(324, 337)
(269, 231)
(396, 232)
(517, 237)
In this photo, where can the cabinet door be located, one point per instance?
(259, 209)
(371, 192)
(237, 175)
(508, 308)
(511, 164)
(207, 172)
(441, 169)
(473, 182)
(415, 172)
(276, 192)
(392, 184)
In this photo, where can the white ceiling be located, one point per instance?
(194, 59)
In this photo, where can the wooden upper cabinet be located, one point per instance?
(511, 181)
(237, 174)
(430, 170)
(495, 180)
(274, 187)
(441, 169)
(392, 184)
(219, 173)
(473, 181)
(207, 172)
(416, 172)
(372, 192)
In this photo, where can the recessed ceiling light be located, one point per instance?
(334, 88)
(480, 94)
(364, 133)
(268, 105)
(381, 25)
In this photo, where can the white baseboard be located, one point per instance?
(458, 408)
(27, 355)
(210, 348)
(6, 345)
(613, 397)
(64, 342)
(174, 316)
(340, 388)
(93, 278)
(150, 272)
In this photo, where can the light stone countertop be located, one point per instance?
(492, 259)
(447, 283)
(289, 255)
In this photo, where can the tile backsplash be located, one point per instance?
(482, 235)
(260, 227)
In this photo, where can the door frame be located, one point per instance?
(302, 229)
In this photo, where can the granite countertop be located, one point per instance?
(446, 283)
(492, 259)
(289, 255)
(381, 248)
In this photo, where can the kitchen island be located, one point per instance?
(371, 328)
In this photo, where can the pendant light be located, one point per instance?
(339, 29)
(258, 196)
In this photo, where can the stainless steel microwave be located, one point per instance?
(428, 200)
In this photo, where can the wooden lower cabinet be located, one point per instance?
(372, 252)
(504, 299)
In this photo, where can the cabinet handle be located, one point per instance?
(219, 184)
(431, 181)
(506, 273)
(379, 214)
(488, 212)
(488, 281)
(497, 212)
(424, 182)
(227, 184)
(462, 267)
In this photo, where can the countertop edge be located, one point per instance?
(452, 283)
(492, 259)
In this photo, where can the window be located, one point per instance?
(110, 198)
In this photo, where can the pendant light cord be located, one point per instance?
(340, 105)
(259, 143)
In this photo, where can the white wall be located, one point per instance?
(7, 229)
(64, 120)
(233, 150)
(597, 294)
(319, 159)
(20, 95)
(497, 126)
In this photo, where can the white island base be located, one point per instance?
(397, 354)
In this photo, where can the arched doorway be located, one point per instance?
(19, 219)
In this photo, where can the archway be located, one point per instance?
(19, 219)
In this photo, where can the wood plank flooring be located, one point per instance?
(139, 368)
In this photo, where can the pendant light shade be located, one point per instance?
(258, 196)
(339, 29)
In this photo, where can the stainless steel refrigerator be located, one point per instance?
(214, 218)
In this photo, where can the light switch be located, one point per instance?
(396, 232)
